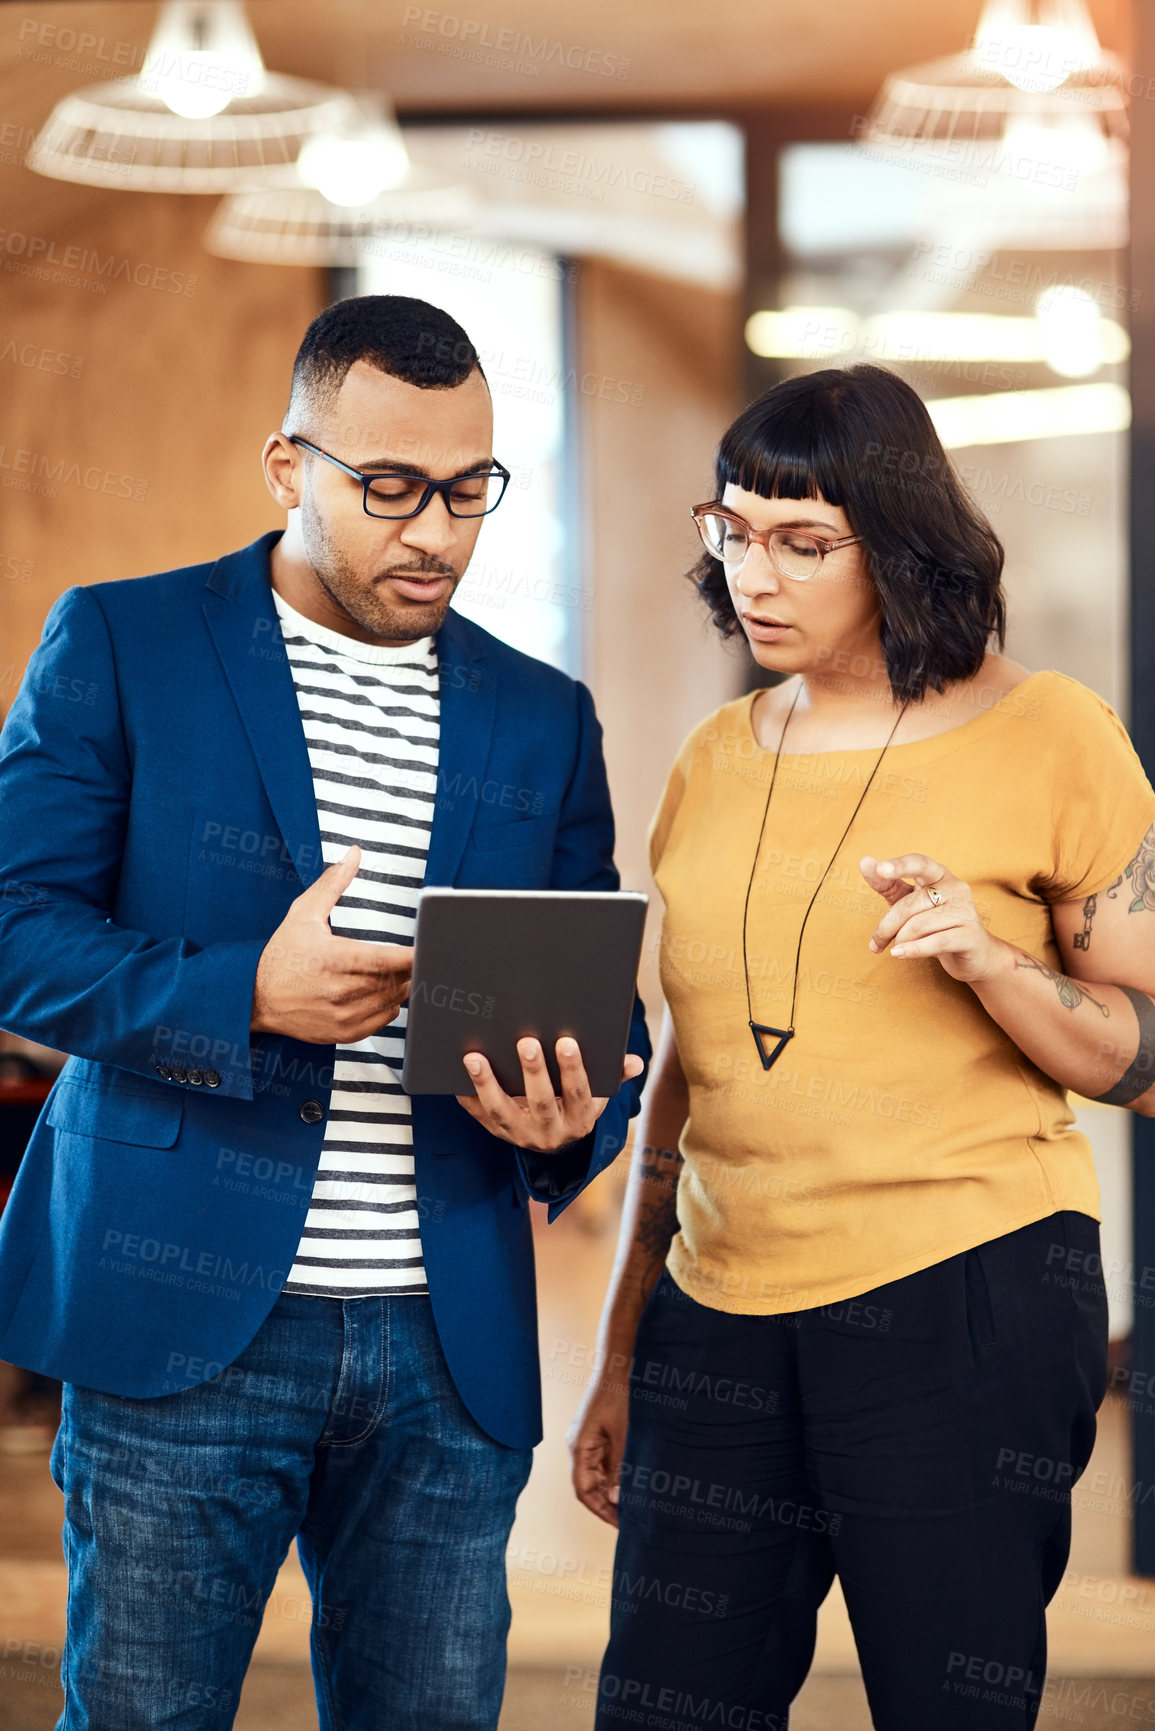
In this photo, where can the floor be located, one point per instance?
(279, 1698)
(1102, 1624)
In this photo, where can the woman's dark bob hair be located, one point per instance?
(862, 439)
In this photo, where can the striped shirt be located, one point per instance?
(372, 723)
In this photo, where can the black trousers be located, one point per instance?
(920, 1442)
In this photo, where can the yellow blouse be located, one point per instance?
(900, 1125)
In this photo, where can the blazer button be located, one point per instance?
(179, 1073)
(163, 1072)
(196, 1078)
(311, 1111)
(212, 1078)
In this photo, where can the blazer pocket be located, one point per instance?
(115, 1114)
(523, 832)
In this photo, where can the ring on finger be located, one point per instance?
(934, 896)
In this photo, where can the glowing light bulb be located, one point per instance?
(1033, 57)
(202, 56)
(1071, 330)
(195, 85)
(352, 170)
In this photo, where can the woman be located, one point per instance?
(853, 1322)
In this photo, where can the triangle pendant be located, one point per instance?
(784, 1034)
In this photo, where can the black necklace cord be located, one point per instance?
(789, 1030)
(758, 850)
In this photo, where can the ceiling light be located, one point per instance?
(301, 226)
(202, 116)
(803, 333)
(200, 58)
(1068, 334)
(1072, 330)
(1050, 72)
(1032, 58)
(946, 336)
(352, 166)
(1036, 57)
(1008, 416)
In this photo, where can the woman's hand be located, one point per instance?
(597, 1442)
(944, 924)
(539, 1119)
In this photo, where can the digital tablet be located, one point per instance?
(490, 966)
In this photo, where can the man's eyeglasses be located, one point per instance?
(792, 551)
(396, 495)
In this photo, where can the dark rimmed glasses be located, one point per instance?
(404, 495)
(794, 552)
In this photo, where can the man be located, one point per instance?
(285, 1299)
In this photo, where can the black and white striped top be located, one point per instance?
(372, 724)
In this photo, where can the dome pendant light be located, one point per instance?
(203, 115)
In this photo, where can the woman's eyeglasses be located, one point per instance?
(398, 495)
(792, 551)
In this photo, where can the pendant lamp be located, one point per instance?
(203, 115)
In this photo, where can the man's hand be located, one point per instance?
(538, 1119)
(937, 917)
(320, 988)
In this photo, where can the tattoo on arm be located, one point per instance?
(1141, 876)
(1141, 873)
(1071, 992)
(1083, 938)
(657, 1207)
(1140, 1073)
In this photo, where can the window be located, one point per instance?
(509, 299)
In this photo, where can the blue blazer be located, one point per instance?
(157, 818)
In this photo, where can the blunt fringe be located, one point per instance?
(862, 438)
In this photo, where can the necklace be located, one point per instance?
(758, 1029)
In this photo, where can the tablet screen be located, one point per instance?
(491, 966)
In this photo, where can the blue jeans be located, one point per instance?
(338, 1425)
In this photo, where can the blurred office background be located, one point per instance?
(644, 216)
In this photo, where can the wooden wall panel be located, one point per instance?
(138, 374)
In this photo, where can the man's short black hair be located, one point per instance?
(407, 338)
(862, 438)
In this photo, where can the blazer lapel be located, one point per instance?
(243, 620)
(245, 627)
(468, 702)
